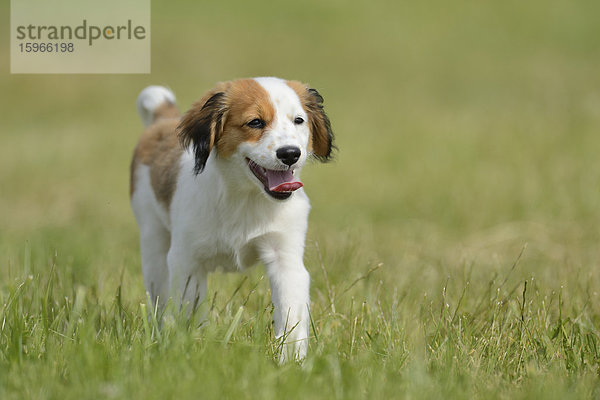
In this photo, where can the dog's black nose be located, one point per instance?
(288, 154)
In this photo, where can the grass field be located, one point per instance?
(453, 244)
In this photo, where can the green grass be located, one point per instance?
(453, 245)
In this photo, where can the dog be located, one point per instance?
(219, 187)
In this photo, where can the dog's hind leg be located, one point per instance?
(154, 245)
(154, 237)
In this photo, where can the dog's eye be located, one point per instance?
(256, 123)
(298, 120)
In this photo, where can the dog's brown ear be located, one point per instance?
(202, 126)
(320, 127)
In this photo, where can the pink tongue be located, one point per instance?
(282, 181)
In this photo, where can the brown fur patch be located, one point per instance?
(166, 110)
(321, 138)
(159, 148)
(246, 100)
(220, 118)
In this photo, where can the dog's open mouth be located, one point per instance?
(278, 184)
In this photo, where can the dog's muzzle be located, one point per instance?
(277, 184)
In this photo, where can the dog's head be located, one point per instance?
(266, 127)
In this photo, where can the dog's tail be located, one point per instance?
(155, 102)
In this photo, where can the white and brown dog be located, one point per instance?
(219, 188)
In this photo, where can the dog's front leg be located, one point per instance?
(188, 281)
(290, 284)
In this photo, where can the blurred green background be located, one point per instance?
(460, 124)
(465, 129)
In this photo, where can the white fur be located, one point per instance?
(223, 218)
(149, 99)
